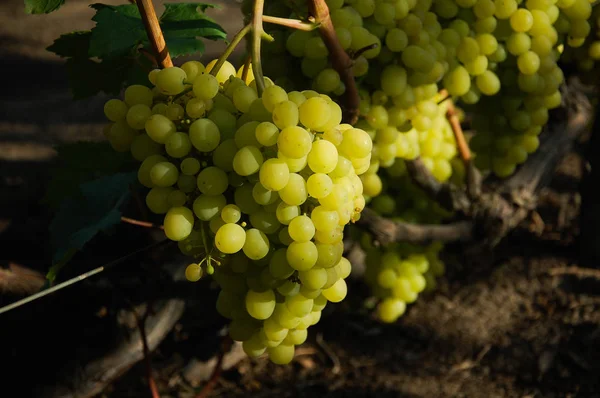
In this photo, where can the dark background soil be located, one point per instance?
(500, 325)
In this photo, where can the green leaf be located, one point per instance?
(119, 29)
(81, 162)
(42, 6)
(181, 11)
(74, 44)
(87, 77)
(117, 32)
(180, 46)
(79, 219)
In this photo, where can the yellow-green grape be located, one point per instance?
(115, 110)
(286, 114)
(142, 147)
(226, 70)
(274, 174)
(178, 223)
(322, 157)
(206, 207)
(212, 181)
(193, 272)
(164, 174)
(260, 305)
(230, 238)
(312, 115)
(247, 160)
(192, 70)
(120, 136)
(206, 87)
(231, 213)
(178, 145)
(301, 229)
(319, 185)
(256, 245)
(138, 94)
(337, 292)
(190, 166)
(282, 354)
(302, 256)
(157, 200)
(159, 128)
(170, 81)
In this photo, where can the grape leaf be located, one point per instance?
(42, 6)
(78, 163)
(97, 209)
(119, 29)
(74, 44)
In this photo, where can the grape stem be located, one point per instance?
(340, 60)
(155, 35)
(473, 176)
(139, 223)
(386, 231)
(246, 69)
(291, 23)
(257, 35)
(232, 45)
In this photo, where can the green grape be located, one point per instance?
(282, 354)
(138, 94)
(273, 96)
(231, 213)
(159, 128)
(230, 238)
(243, 97)
(267, 133)
(190, 166)
(302, 256)
(294, 141)
(157, 200)
(286, 114)
(206, 87)
(226, 70)
(206, 207)
(488, 83)
(301, 229)
(142, 147)
(196, 107)
(274, 174)
(178, 223)
(256, 245)
(457, 81)
(294, 192)
(260, 305)
(212, 181)
(521, 20)
(164, 174)
(170, 81)
(311, 114)
(528, 63)
(247, 160)
(115, 110)
(319, 185)
(327, 80)
(192, 70)
(178, 145)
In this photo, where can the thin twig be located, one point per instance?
(155, 35)
(337, 366)
(473, 175)
(246, 69)
(290, 23)
(257, 34)
(139, 223)
(387, 231)
(340, 60)
(141, 323)
(79, 278)
(217, 370)
(232, 45)
(461, 142)
(576, 271)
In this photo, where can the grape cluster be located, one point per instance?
(497, 57)
(257, 189)
(398, 274)
(585, 56)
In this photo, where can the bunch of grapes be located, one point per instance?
(397, 274)
(483, 52)
(585, 56)
(256, 189)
